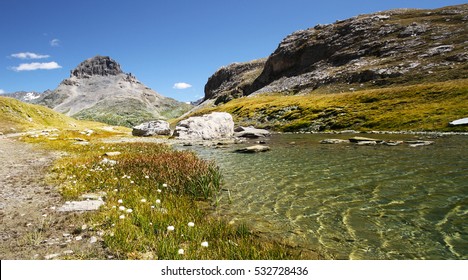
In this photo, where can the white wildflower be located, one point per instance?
(129, 210)
(122, 217)
(181, 252)
(191, 224)
(122, 208)
(170, 228)
(204, 244)
(143, 200)
(158, 201)
(120, 201)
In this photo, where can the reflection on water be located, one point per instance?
(354, 202)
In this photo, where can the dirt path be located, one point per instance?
(30, 228)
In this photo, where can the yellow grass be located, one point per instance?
(424, 107)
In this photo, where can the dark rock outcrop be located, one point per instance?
(232, 81)
(98, 65)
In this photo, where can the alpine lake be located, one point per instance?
(347, 201)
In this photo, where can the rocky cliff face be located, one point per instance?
(99, 90)
(230, 82)
(405, 46)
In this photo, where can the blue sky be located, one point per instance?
(162, 43)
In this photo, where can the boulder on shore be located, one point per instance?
(217, 125)
(250, 132)
(152, 128)
(463, 121)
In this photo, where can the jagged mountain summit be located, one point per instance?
(99, 90)
(396, 47)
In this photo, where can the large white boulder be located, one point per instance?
(217, 125)
(152, 128)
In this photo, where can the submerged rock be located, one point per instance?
(253, 149)
(419, 143)
(366, 143)
(358, 139)
(333, 141)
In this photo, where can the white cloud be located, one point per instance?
(37, 66)
(181, 86)
(55, 42)
(29, 55)
(2, 91)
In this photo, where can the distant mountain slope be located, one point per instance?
(24, 96)
(390, 48)
(99, 90)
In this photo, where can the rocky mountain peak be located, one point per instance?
(98, 65)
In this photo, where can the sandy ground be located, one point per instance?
(30, 227)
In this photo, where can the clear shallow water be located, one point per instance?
(353, 202)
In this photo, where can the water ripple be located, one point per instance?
(354, 202)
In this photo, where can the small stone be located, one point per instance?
(52, 256)
(112, 154)
(93, 239)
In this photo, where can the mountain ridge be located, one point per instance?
(397, 70)
(395, 47)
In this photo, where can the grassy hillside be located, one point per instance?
(17, 116)
(423, 107)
